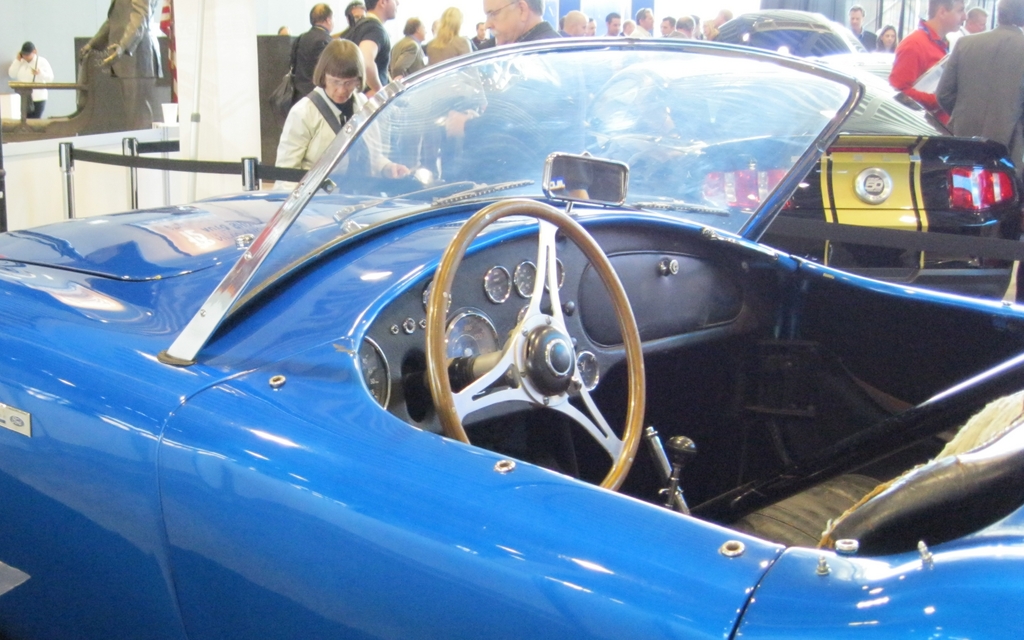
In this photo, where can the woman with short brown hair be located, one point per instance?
(316, 119)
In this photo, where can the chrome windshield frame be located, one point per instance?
(217, 306)
(224, 300)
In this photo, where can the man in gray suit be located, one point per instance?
(407, 56)
(130, 48)
(983, 83)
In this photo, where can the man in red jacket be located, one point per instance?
(920, 50)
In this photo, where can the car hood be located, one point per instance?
(147, 245)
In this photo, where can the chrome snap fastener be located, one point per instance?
(505, 466)
(732, 549)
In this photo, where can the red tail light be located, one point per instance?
(975, 189)
(744, 189)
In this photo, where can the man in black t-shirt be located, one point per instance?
(373, 41)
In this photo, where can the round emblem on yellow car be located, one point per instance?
(873, 186)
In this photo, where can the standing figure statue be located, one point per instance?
(127, 41)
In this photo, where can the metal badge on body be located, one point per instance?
(16, 420)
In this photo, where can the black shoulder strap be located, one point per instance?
(325, 110)
(350, 33)
(295, 55)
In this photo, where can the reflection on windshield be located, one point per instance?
(705, 135)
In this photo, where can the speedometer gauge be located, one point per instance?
(497, 284)
(524, 278)
(374, 366)
(469, 334)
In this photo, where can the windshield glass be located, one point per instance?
(707, 135)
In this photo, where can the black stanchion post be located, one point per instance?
(130, 147)
(67, 163)
(249, 181)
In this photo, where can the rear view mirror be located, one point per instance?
(585, 179)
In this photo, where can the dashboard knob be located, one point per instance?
(668, 267)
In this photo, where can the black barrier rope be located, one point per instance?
(266, 172)
(263, 172)
(160, 146)
(162, 164)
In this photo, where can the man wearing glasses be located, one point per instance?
(517, 21)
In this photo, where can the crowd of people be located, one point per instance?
(335, 73)
(981, 91)
(328, 91)
(969, 77)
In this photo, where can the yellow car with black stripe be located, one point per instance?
(896, 168)
(892, 172)
(923, 180)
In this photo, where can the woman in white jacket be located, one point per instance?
(29, 66)
(307, 131)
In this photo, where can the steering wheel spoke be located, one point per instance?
(473, 397)
(467, 405)
(539, 353)
(594, 424)
(547, 276)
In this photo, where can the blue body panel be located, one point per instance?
(971, 588)
(255, 523)
(162, 502)
(386, 508)
(81, 513)
(293, 518)
(144, 245)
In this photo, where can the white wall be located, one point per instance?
(229, 109)
(35, 180)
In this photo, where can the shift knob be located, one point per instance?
(680, 450)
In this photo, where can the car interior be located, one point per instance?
(779, 397)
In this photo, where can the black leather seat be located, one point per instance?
(975, 481)
(800, 520)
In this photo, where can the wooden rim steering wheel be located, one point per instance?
(538, 355)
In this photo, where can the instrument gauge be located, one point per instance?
(470, 334)
(589, 370)
(559, 274)
(426, 294)
(497, 284)
(426, 297)
(524, 278)
(376, 374)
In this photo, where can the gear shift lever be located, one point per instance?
(680, 450)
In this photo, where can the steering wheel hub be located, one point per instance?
(550, 360)
(539, 353)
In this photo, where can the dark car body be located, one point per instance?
(206, 435)
(922, 167)
(797, 33)
(936, 169)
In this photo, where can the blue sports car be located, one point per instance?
(547, 385)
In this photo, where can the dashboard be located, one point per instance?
(679, 291)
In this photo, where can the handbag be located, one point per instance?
(283, 96)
